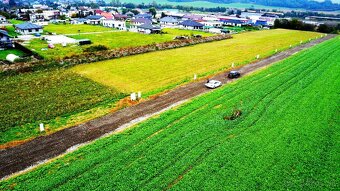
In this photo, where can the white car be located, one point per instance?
(213, 84)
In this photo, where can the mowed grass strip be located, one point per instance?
(32, 98)
(158, 70)
(286, 138)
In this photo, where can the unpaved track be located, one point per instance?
(20, 157)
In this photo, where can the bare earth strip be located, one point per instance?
(23, 156)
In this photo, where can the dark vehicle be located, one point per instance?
(234, 74)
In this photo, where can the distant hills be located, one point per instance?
(320, 5)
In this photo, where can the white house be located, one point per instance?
(170, 22)
(120, 25)
(28, 28)
(95, 19)
(78, 21)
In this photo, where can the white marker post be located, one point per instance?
(233, 65)
(41, 127)
(133, 97)
(257, 56)
(275, 50)
(195, 76)
(300, 41)
(139, 95)
(290, 46)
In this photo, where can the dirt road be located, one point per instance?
(20, 157)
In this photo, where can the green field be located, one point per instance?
(112, 40)
(286, 138)
(33, 98)
(134, 73)
(146, 72)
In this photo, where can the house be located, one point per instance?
(120, 25)
(144, 16)
(3, 20)
(169, 22)
(130, 14)
(94, 19)
(5, 40)
(98, 12)
(120, 17)
(107, 15)
(192, 17)
(191, 25)
(137, 22)
(261, 23)
(28, 28)
(148, 28)
(78, 21)
(235, 21)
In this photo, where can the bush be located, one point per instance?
(96, 48)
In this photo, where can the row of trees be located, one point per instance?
(299, 25)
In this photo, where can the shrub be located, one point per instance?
(96, 48)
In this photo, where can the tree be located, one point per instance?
(153, 11)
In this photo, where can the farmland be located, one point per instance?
(285, 136)
(140, 72)
(111, 39)
(106, 79)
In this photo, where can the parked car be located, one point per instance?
(213, 84)
(234, 74)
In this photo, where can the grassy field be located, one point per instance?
(286, 138)
(29, 99)
(150, 73)
(4, 53)
(110, 39)
(146, 72)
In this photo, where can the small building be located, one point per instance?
(5, 40)
(148, 28)
(191, 25)
(169, 22)
(94, 19)
(120, 25)
(28, 28)
(3, 20)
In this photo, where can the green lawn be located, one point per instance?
(4, 53)
(73, 29)
(110, 39)
(29, 99)
(140, 72)
(286, 138)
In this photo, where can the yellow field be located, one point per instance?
(156, 70)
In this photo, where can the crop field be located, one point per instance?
(277, 129)
(107, 81)
(146, 72)
(30, 99)
(115, 39)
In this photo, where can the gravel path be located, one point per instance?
(23, 156)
